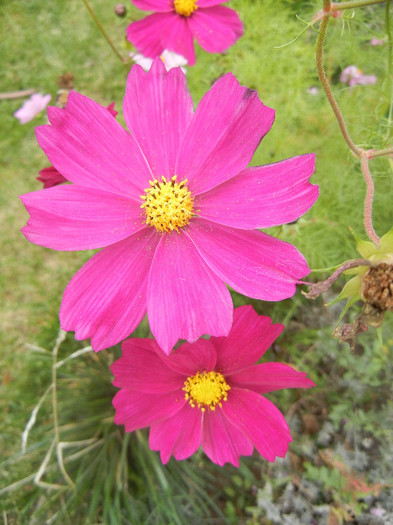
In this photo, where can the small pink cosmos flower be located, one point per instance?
(32, 107)
(353, 76)
(172, 204)
(207, 393)
(176, 23)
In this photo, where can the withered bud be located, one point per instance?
(120, 10)
(377, 286)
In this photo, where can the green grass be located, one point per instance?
(44, 40)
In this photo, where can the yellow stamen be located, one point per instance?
(185, 7)
(206, 389)
(168, 204)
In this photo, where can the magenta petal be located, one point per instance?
(178, 38)
(89, 147)
(180, 435)
(72, 217)
(135, 410)
(50, 177)
(106, 298)
(141, 369)
(216, 28)
(227, 126)
(185, 299)
(154, 5)
(157, 109)
(250, 336)
(263, 196)
(191, 358)
(147, 34)
(267, 377)
(260, 420)
(222, 441)
(251, 262)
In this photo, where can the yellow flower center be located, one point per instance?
(206, 389)
(185, 7)
(168, 204)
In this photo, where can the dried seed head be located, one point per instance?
(377, 287)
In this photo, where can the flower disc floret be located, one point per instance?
(185, 7)
(168, 204)
(206, 390)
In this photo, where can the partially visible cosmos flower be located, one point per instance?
(172, 204)
(207, 393)
(169, 58)
(313, 90)
(176, 23)
(50, 176)
(377, 42)
(32, 107)
(353, 76)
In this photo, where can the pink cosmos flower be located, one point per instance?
(176, 23)
(32, 107)
(377, 42)
(172, 204)
(207, 393)
(353, 76)
(50, 176)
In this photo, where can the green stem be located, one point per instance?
(372, 154)
(389, 68)
(104, 33)
(354, 3)
(325, 83)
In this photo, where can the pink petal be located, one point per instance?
(147, 34)
(106, 299)
(76, 218)
(89, 147)
(137, 410)
(250, 336)
(191, 358)
(179, 435)
(216, 28)
(228, 125)
(157, 109)
(185, 299)
(261, 197)
(260, 420)
(140, 369)
(160, 6)
(267, 377)
(50, 177)
(222, 441)
(251, 262)
(111, 109)
(178, 38)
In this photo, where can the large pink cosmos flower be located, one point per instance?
(176, 23)
(173, 206)
(207, 393)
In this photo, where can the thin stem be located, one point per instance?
(104, 33)
(17, 94)
(59, 340)
(389, 67)
(325, 83)
(354, 3)
(317, 289)
(368, 203)
(372, 154)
